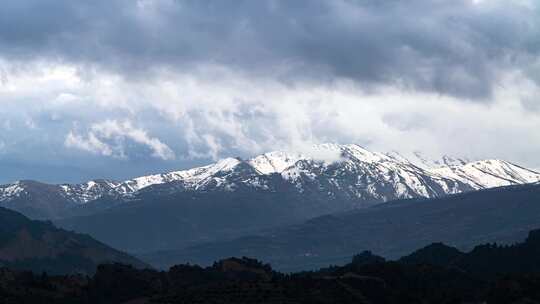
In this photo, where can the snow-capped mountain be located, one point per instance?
(353, 174)
(421, 160)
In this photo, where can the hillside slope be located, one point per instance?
(40, 247)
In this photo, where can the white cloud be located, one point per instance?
(111, 129)
(218, 112)
(90, 143)
(100, 134)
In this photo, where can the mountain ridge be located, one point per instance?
(352, 173)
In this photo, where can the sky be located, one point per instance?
(122, 88)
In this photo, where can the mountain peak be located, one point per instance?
(274, 162)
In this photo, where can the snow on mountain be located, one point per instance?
(274, 162)
(89, 191)
(192, 178)
(422, 160)
(10, 191)
(371, 176)
(490, 173)
(330, 171)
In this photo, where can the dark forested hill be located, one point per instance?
(39, 246)
(488, 274)
(485, 260)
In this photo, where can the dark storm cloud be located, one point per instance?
(450, 47)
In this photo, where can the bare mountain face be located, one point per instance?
(355, 177)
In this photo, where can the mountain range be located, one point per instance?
(236, 197)
(354, 177)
